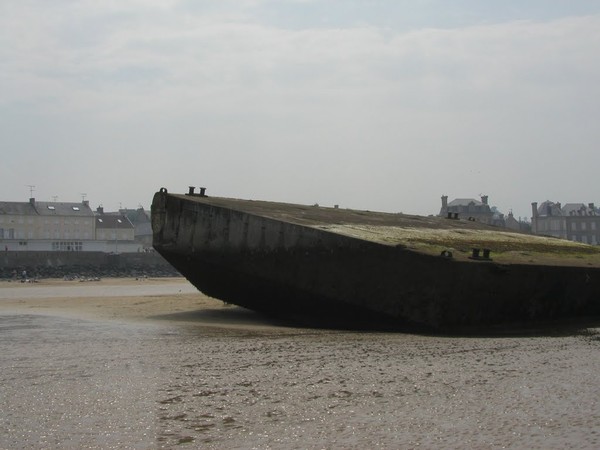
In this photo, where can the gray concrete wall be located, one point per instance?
(275, 266)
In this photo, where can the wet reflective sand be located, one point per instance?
(167, 368)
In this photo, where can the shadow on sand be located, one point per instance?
(240, 317)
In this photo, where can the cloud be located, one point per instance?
(367, 115)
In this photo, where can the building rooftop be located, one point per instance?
(111, 221)
(577, 209)
(465, 202)
(35, 208)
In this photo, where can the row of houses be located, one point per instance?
(574, 221)
(59, 226)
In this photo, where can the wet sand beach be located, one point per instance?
(152, 363)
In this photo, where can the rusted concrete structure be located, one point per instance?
(311, 261)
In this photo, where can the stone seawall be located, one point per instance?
(84, 264)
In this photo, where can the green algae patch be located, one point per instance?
(505, 246)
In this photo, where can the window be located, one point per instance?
(75, 208)
(583, 226)
(51, 208)
(67, 246)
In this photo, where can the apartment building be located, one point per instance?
(60, 226)
(573, 221)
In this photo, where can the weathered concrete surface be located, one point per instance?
(301, 260)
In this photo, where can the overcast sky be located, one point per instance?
(381, 105)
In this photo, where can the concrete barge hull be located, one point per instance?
(293, 270)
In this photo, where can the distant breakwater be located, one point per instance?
(83, 264)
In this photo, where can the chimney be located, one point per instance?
(86, 203)
(534, 210)
(484, 199)
(444, 209)
(592, 207)
(100, 210)
(32, 201)
(534, 215)
(559, 205)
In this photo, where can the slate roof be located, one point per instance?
(136, 216)
(549, 208)
(63, 209)
(17, 208)
(465, 202)
(46, 209)
(575, 208)
(112, 221)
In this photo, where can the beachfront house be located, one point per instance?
(61, 226)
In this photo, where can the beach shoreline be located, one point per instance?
(109, 298)
(153, 363)
(149, 300)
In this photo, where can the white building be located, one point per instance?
(58, 226)
(115, 234)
